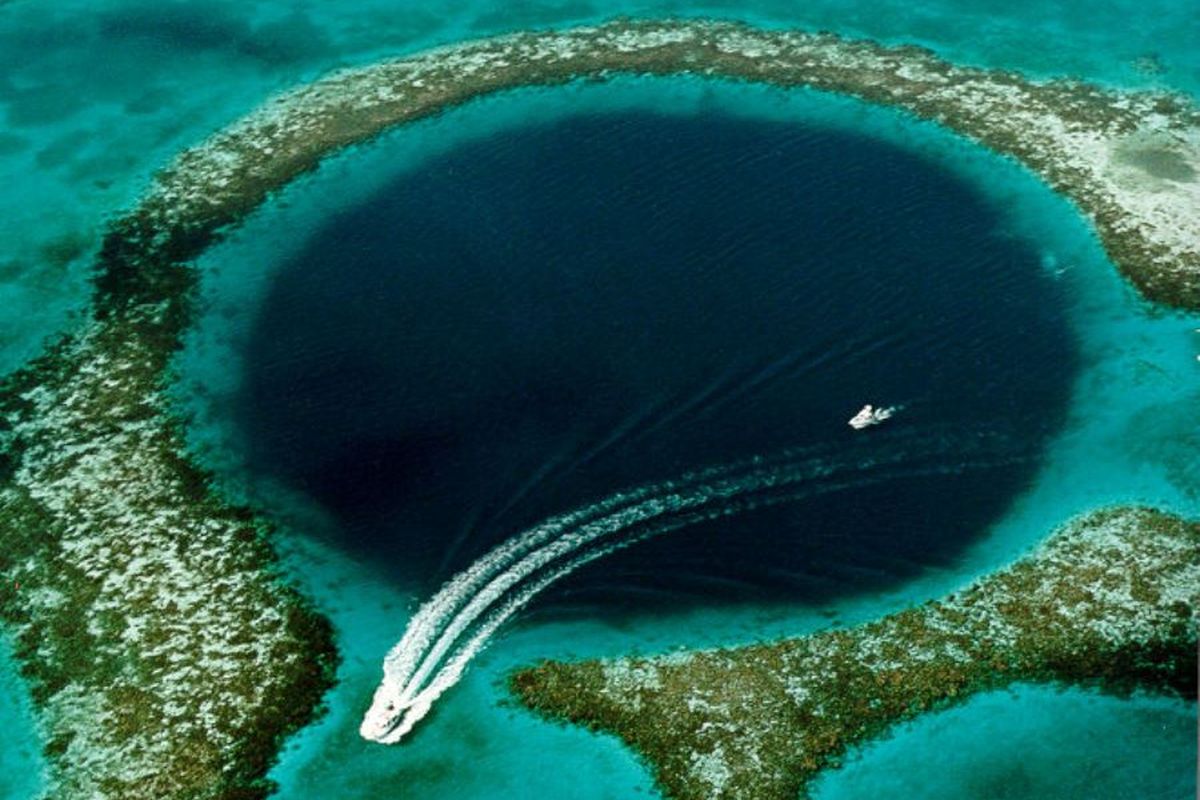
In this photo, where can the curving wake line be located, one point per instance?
(433, 615)
(456, 623)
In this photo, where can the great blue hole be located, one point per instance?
(532, 321)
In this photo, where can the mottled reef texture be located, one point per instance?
(167, 658)
(1131, 161)
(166, 654)
(1109, 601)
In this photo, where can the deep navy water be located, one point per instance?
(532, 321)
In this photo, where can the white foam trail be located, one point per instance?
(432, 616)
(422, 701)
(432, 654)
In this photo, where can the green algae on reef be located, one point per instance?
(1109, 600)
(1091, 144)
(167, 656)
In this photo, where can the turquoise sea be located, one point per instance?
(96, 96)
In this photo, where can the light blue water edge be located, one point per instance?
(100, 93)
(1129, 438)
(22, 766)
(1029, 743)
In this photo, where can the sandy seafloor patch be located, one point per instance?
(1129, 438)
(95, 95)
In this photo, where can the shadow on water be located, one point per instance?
(536, 320)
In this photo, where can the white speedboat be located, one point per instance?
(870, 415)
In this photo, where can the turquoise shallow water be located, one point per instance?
(21, 765)
(96, 95)
(1130, 447)
(1028, 744)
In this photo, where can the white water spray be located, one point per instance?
(452, 627)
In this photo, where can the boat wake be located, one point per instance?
(453, 626)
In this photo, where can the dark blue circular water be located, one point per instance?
(538, 319)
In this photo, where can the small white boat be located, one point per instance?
(870, 415)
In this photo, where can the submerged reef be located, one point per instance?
(168, 657)
(1109, 600)
(165, 655)
(1131, 161)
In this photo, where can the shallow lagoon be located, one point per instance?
(21, 762)
(1026, 744)
(1138, 359)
